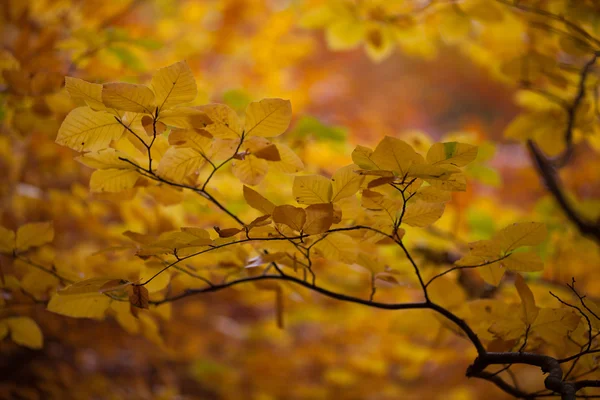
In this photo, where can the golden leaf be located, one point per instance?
(174, 85)
(257, 201)
(422, 214)
(128, 97)
(85, 92)
(250, 170)
(179, 162)
(521, 234)
(312, 189)
(87, 130)
(345, 182)
(113, 180)
(24, 331)
(268, 117)
(454, 153)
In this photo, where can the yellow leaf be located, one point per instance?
(257, 201)
(7, 240)
(523, 262)
(268, 117)
(337, 246)
(396, 155)
(87, 130)
(250, 170)
(85, 92)
(554, 324)
(294, 217)
(362, 156)
(492, 273)
(432, 172)
(24, 331)
(312, 189)
(190, 138)
(290, 163)
(431, 194)
(454, 153)
(34, 235)
(158, 283)
(92, 285)
(174, 85)
(179, 162)
(422, 214)
(124, 317)
(86, 305)
(319, 218)
(113, 180)
(105, 159)
(530, 311)
(489, 248)
(521, 234)
(456, 182)
(373, 200)
(345, 182)
(185, 118)
(128, 97)
(225, 122)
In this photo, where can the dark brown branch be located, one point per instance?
(551, 180)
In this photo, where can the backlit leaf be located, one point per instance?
(454, 153)
(128, 97)
(87, 130)
(257, 201)
(396, 155)
(113, 180)
(523, 262)
(422, 214)
(178, 163)
(337, 246)
(345, 182)
(312, 189)
(530, 311)
(268, 117)
(85, 92)
(250, 170)
(521, 234)
(174, 85)
(86, 305)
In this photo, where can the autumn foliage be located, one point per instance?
(199, 204)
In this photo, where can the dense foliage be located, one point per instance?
(229, 199)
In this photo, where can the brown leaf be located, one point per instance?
(294, 217)
(260, 221)
(138, 296)
(228, 232)
(381, 181)
(269, 153)
(319, 218)
(149, 127)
